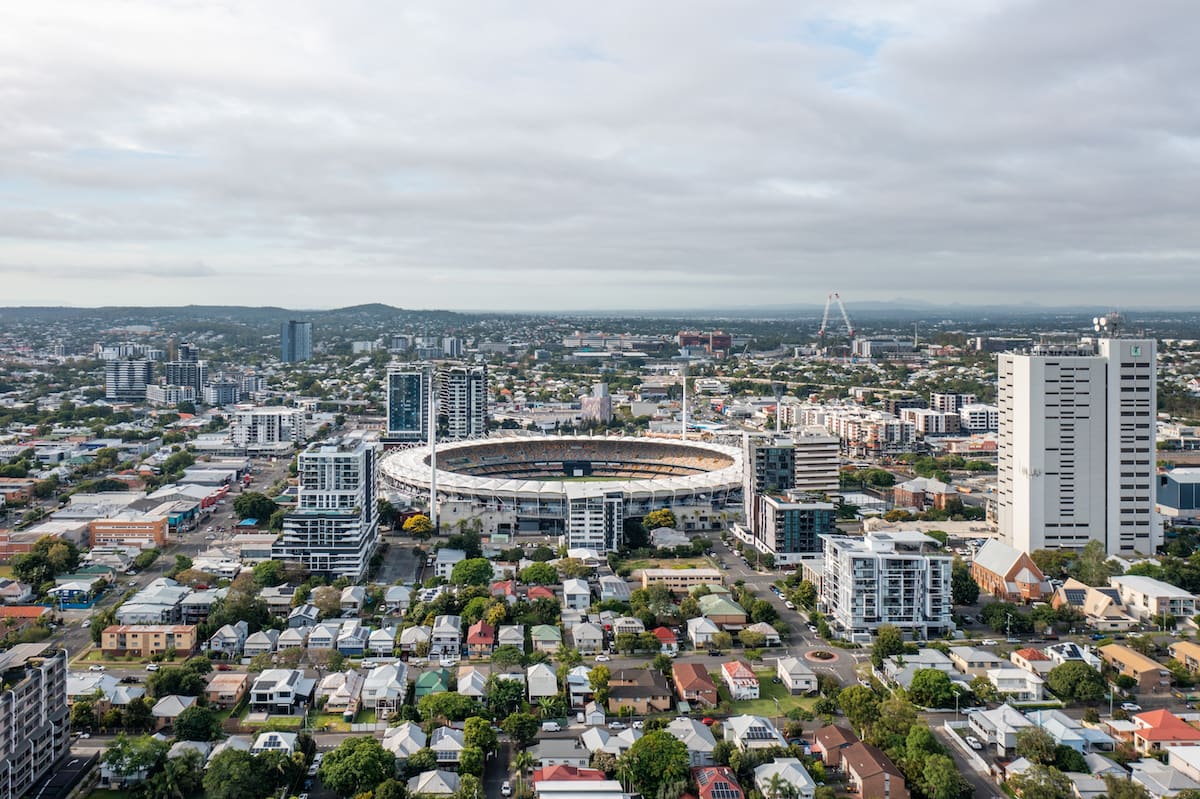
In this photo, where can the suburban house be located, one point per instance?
(740, 679)
(830, 741)
(588, 638)
(404, 740)
(546, 638)
(717, 782)
(167, 709)
(701, 631)
(447, 744)
(643, 690)
(260, 642)
(721, 610)
(1009, 574)
(598, 739)
(613, 587)
(511, 635)
(576, 594)
(870, 773)
(770, 634)
(752, 732)
(397, 598)
(541, 681)
(668, 642)
(974, 662)
(1021, 685)
(434, 783)
(998, 727)
(444, 562)
(628, 625)
(282, 742)
(697, 737)
(385, 689)
(789, 771)
(278, 598)
(561, 752)
(412, 637)
(228, 640)
(693, 684)
(481, 639)
(472, 681)
(353, 598)
(1187, 653)
(291, 638)
(226, 689)
(1069, 732)
(796, 676)
(1151, 676)
(594, 715)
(323, 636)
(1155, 729)
(352, 639)
(281, 691)
(1032, 660)
(342, 691)
(1153, 601)
(1101, 607)
(446, 637)
(434, 681)
(305, 615)
(382, 641)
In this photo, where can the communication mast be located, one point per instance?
(835, 297)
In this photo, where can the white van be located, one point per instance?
(551, 726)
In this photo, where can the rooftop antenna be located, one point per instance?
(1109, 325)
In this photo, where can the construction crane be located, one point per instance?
(832, 298)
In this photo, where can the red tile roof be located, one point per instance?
(481, 633)
(717, 782)
(1163, 726)
(564, 772)
(540, 592)
(23, 611)
(1029, 653)
(665, 635)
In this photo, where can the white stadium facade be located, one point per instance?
(578, 486)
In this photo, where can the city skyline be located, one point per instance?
(559, 158)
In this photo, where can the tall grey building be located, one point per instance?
(408, 398)
(768, 467)
(334, 528)
(126, 379)
(34, 720)
(462, 400)
(1077, 446)
(295, 341)
(192, 374)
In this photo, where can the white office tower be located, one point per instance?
(1076, 446)
(596, 521)
(462, 400)
(892, 578)
(126, 380)
(335, 527)
(267, 425)
(817, 460)
(408, 403)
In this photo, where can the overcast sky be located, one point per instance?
(570, 155)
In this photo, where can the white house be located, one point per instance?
(623, 625)
(229, 640)
(791, 772)
(796, 676)
(594, 715)
(588, 638)
(404, 740)
(447, 744)
(998, 727)
(740, 680)
(697, 737)
(1150, 599)
(385, 688)
(752, 732)
(382, 641)
(280, 690)
(446, 637)
(411, 637)
(397, 598)
(443, 565)
(284, 742)
(511, 635)
(353, 597)
(472, 681)
(701, 630)
(260, 642)
(576, 594)
(541, 681)
(1021, 685)
(434, 783)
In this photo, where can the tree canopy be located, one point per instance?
(356, 765)
(254, 505)
(656, 759)
(472, 571)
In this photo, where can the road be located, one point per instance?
(981, 783)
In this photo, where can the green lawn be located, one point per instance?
(768, 692)
(669, 563)
(331, 722)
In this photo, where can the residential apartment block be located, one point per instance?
(1077, 446)
(34, 719)
(892, 578)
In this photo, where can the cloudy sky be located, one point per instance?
(570, 155)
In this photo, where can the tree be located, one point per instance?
(806, 594)
(424, 759)
(1036, 745)
(448, 706)
(234, 774)
(539, 574)
(722, 640)
(1067, 759)
(1093, 566)
(83, 715)
(1127, 789)
(860, 704)
(357, 765)
(127, 756)
(472, 571)
(1076, 681)
(197, 724)
(1042, 782)
(507, 656)
(599, 676)
(663, 517)
(897, 715)
(762, 611)
(662, 663)
(522, 727)
(963, 588)
(888, 641)
(502, 697)
(269, 572)
(942, 779)
(138, 714)
(327, 599)
(469, 786)
(179, 778)
(418, 526)
(254, 505)
(655, 759)
(983, 689)
(390, 789)
(174, 680)
(931, 688)
(478, 732)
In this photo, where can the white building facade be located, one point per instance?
(1077, 446)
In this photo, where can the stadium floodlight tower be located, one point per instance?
(683, 365)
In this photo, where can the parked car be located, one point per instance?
(86, 623)
(1130, 707)
(96, 667)
(151, 667)
(617, 725)
(790, 605)
(639, 724)
(602, 658)
(707, 722)
(506, 789)
(974, 742)
(988, 642)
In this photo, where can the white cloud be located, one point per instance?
(573, 155)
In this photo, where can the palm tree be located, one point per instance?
(522, 762)
(775, 786)
(671, 790)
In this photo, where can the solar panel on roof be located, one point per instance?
(724, 790)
